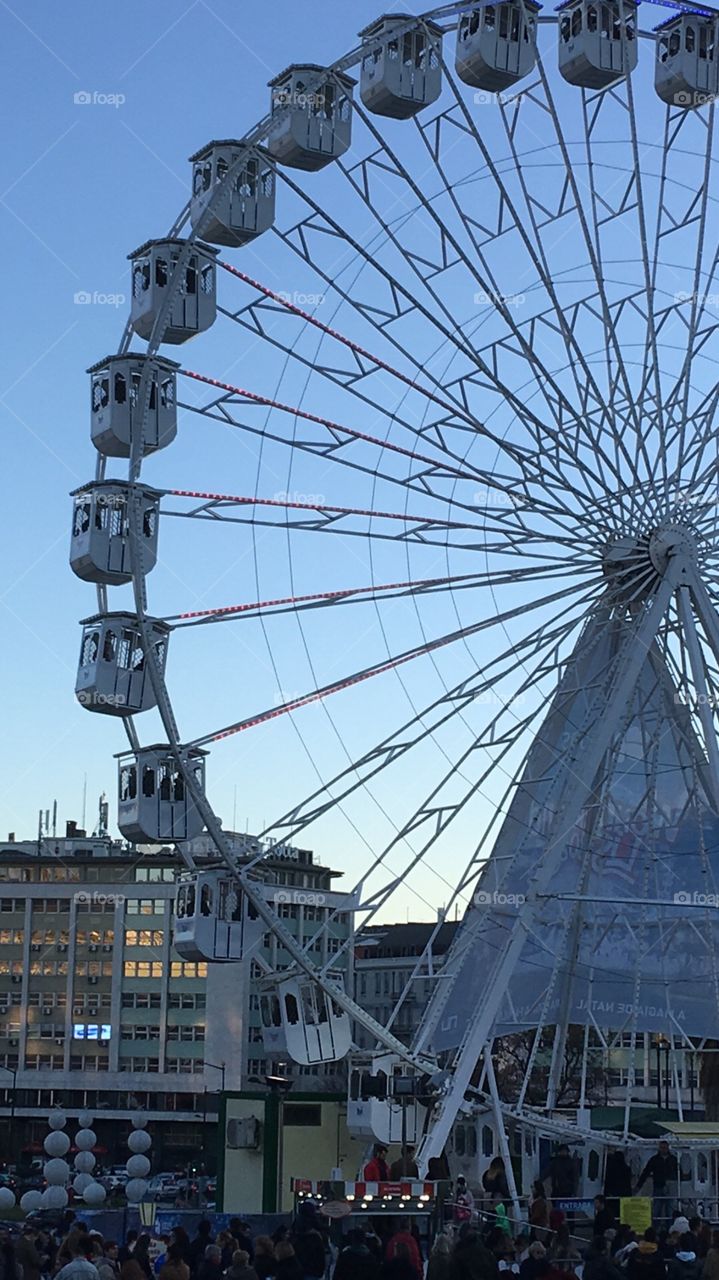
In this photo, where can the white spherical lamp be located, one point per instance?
(54, 1198)
(138, 1120)
(84, 1162)
(57, 1120)
(57, 1143)
(94, 1194)
(135, 1190)
(56, 1172)
(7, 1198)
(139, 1140)
(31, 1201)
(85, 1139)
(85, 1119)
(81, 1181)
(138, 1166)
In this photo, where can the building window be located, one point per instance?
(188, 969)
(143, 968)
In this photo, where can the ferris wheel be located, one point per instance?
(449, 430)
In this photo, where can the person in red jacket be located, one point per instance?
(376, 1169)
(403, 1243)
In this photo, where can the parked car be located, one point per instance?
(164, 1188)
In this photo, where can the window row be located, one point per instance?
(48, 999)
(26, 875)
(143, 968)
(90, 1003)
(145, 906)
(12, 937)
(140, 1032)
(143, 937)
(187, 1034)
(154, 969)
(93, 968)
(185, 1066)
(188, 969)
(89, 1062)
(153, 1000)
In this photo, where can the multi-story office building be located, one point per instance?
(391, 959)
(98, 1011)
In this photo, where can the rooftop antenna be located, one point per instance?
(84, 802)
(54, 819)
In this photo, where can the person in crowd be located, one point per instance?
(131, 1270)
(680, 1225)
(126, 1249)
(494, 1181)
(598, 1265)
(78, 1268)
(174, 1267)
(604, 1217)
(617, 1179)
(400, 1266)
(539, 1211)
(403, 1240)
(562, 1173)
(356, 1261)
(663, 1169)
(376, 1169)
(463, 1201)
(646, 1261)
(240, 1268)
(506, 1257)
(288, 1267)
(438, 1265)
(199, 1245)
(240, 1232)
(110, 1267)
(264, 1260)
(309, 1240)
(710, 1269)
(702, 1233)
(160, 1253)
(521, 1245)
(27, 1253)
(533, 1265)
(227, 1245)
(405, 1166)
(179, 1237)
(471, 1259)
(141, 1255)
(10, 1268)
(564, 1254)
(685, 1265)
(211, 1266)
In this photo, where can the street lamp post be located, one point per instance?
(218, 1066)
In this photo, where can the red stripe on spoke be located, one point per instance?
(347, 342)
(314, 506)
(320, 595)
(322, 422)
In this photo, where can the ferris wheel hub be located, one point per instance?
(631, 563)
